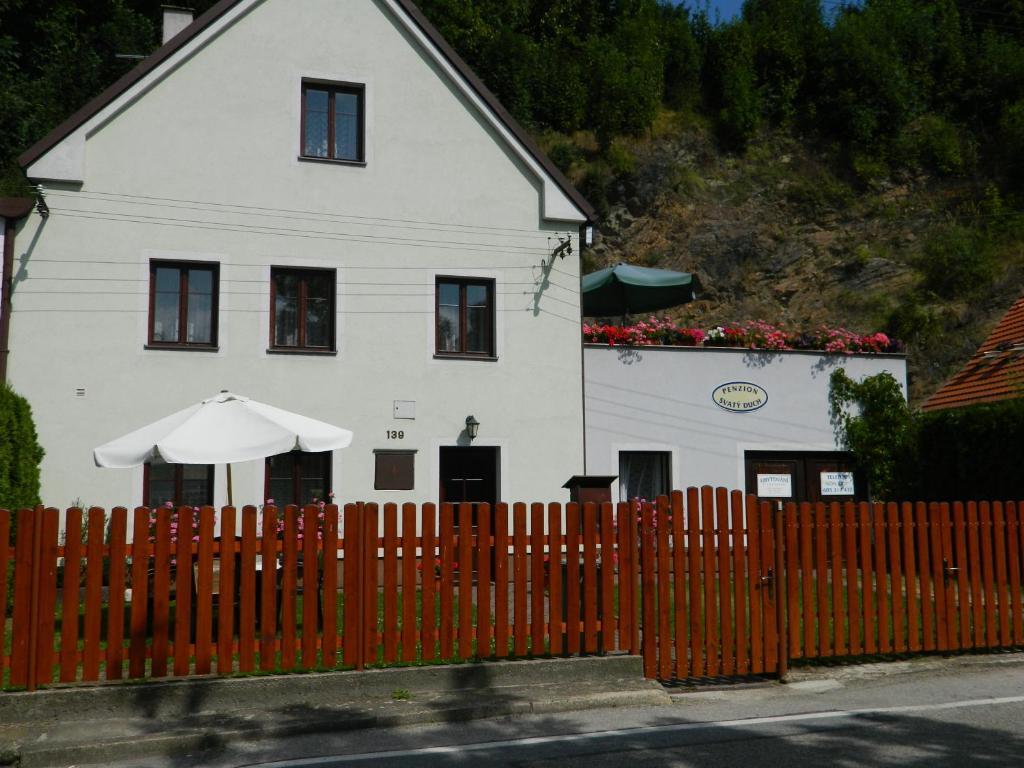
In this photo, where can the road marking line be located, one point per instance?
(324, 762)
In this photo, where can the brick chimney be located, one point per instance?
(175, 20)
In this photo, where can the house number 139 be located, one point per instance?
(395, 434)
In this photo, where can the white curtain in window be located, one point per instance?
(643, 474)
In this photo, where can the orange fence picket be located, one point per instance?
(69, 656)
(429, 561)
(679, 587)
(537, 579)
(247, 582)
(226, 593)
(5, 558)
(555, 616)
(408, 582)
(501, 581)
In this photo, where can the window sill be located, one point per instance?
(312, 352)
(331, 161)
(450, 356)
(183, 347)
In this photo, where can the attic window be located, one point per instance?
(333, 119)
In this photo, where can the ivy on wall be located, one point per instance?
(874, 423)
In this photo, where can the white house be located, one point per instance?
(315, 204)
(662, 417)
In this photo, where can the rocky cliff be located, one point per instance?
(776, 235)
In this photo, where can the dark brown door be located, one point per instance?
(469, 474)
(804, 476)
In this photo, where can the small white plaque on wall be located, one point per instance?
(405, 409)
(775, 486)
(837, 484)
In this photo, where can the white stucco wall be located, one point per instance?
(205, 167)
(660, 399)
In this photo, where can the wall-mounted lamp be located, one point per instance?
(564, 247)
(472, 427)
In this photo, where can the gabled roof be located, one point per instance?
(218, 10)
(996, 372)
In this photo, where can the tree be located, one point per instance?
(730, 85)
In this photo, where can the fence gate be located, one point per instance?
(734, 586)
(709, 585)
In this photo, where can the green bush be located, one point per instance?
(957, 263)
(932, 142)
(970, 453)
(564, 154)
(20, 453)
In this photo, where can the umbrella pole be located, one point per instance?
(231, 500)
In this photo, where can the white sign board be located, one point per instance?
(775, 486)
(837, 484)
(739, 396)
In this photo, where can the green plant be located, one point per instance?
(401, 694)
(935, 143)
(957, 263)
(20, 454)
(874, 423)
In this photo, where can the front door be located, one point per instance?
(470, 474)
(804, 476)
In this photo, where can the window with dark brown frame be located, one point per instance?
(189, 485)
(333, 122)
(298, 478)
(644, 474)
(394, 470)
(464, 317)
(302, 310)
(183, 303)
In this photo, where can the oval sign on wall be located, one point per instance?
(739, 396)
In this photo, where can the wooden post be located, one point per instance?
(778, 520)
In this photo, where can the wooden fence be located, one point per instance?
(312, 588)
(737, 586)
(713, 582)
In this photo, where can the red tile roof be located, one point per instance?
(996, 372)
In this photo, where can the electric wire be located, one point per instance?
(84, 213)
(293, 216)
(121, 197)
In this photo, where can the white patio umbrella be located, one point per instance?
(221, 430)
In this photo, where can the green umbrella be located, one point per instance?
(624, 288)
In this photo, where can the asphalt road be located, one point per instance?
(909, 714)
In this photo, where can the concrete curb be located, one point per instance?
(186, 698)
(102, 724)
(43, 755)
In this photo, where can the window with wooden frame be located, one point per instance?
(302, 310)
(298, 478)
(183, 304)
(464, 317)
(644, 475)
(333, 120)
(189, 485)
